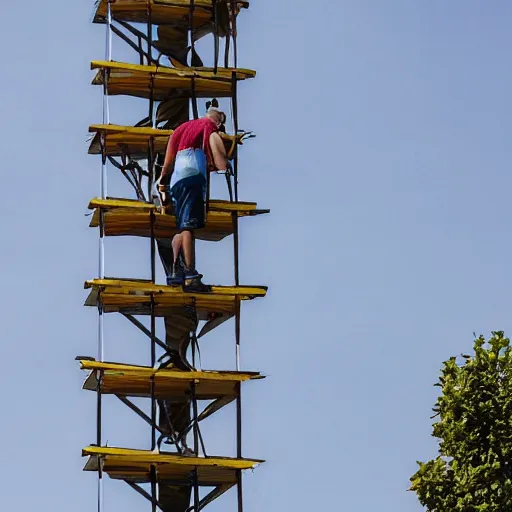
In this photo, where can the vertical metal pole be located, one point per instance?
(234, 99)
(195, 110)
(196, 445)
(196, 490)
(103, 179)
(193, 343)
(150, 32)
(99, 405)
(193, 49)
(103, 192)
(153, 243)
(100, 485)
(99, 378)
(152, 102)
(233, 32)
(191, 27)
(153, 256)
(226, 48)
(153, 404)
(237, 332)
(238, 412)
(151, 166)
(195, 413)
(153, 361)
(236, 247)
(239, 421)
(101, 253)
(108, 58)
(239, 445)
(109, 31)
(153, 262)
(153, 489)
(239, 490)
(151, 112)
(208, 185)
(101, 250)
(215, 36)
(141, 53)
(151, 144)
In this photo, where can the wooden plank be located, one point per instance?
(219, 205)
(148, 457)
(157, 81)
(146, 372)
(222, 74)
(162, 11)
(121, 286)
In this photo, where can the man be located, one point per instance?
(194, 149)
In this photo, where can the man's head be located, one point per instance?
(216, 115)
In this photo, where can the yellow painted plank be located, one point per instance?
(127, 222)
(214, 204)
(136, 130)
(135, 466)
(124, 217)
(162, 11)
(136, 297)
(121, 286)
(140, 304)
(158, 81)
(147, 372)
(148, 457)
(136, 381)
(107, 204)
(204, 72)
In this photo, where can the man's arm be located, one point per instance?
(220, 158)
(165, 176)
(168, 166)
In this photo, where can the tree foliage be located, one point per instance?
(473, 472)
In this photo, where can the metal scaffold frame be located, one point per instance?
(163, 384)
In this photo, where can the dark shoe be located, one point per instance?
(193, 282)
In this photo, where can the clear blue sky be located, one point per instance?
(383, 151)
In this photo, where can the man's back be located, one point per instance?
(193, 134)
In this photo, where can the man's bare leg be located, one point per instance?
(192, 276)
(183, 242)
(187, 244)
(176, 276)
(177, 243)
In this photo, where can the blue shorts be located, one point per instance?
(189, 205)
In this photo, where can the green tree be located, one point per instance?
(474, 426)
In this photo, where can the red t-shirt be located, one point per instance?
(194, 134)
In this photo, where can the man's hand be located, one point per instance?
(164, 191)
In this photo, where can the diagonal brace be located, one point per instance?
(212, 408)
(144, 493)
(211, 496)
(138, 411)
(146, 331)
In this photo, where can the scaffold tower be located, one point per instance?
(178, 473)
